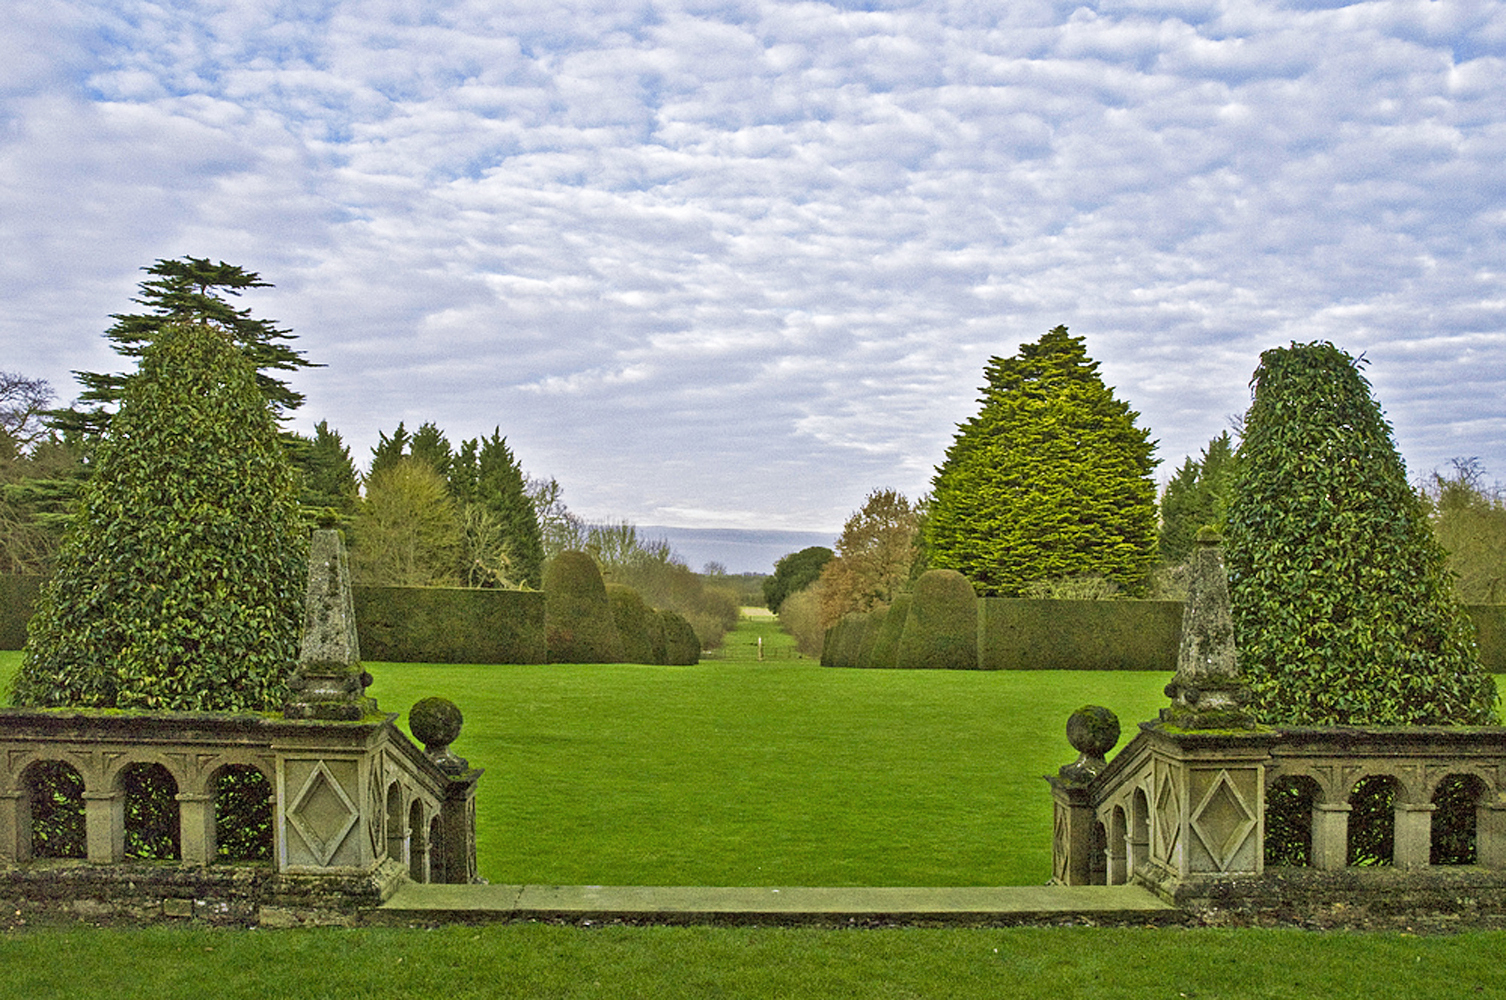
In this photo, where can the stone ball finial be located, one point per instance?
(1093, 731)
(435, 722)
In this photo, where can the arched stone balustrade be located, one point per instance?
(317, 773)
(1185, 806)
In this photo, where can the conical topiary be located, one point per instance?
(578, 625)
(941, 631)
(180, 582)
(1343, 609)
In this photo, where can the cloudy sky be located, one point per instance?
(738, 263)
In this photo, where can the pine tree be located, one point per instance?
(1343, 610)
(1197, 497)
(1051, 479)
(502, 490)
(327, 472)
(190, 290)
(179, 583)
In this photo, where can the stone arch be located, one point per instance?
(397, 836)
(418, 842)
(1372, 820)
(1289, 803)
(151, 819)
(243, 828)
(1457, 801)
(1139, 831)
(50, 813)
(115, 768)
(1118, 870)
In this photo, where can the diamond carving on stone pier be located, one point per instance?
(1223, 821)
(1168, 825)
(322, 813)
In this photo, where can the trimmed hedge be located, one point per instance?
(18, 595)
(941, 630)
(633, 619)
(873, 623)
(450, 625)
(578, 624)
(885, 654)
(1490, 631)
(1018, 634)
(682, 647)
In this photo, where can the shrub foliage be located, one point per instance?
(1343, 611)
(1051, 479)
(941, 629)
(578, 623)
(179, 584)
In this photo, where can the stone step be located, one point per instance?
(415, 903)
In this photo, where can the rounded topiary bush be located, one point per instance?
(873, 623)
(635, 623)
(578, 624)
(885, 653)
(682, 647)
(941, 631)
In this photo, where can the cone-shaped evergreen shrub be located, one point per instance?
(634, 621)
(578, 624)
(941, 631)
(1051, 479)
(682, 647)
(1343, 611)
(885, 651)
(180, 581)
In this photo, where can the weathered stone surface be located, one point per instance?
(1207, 691)
(329, 682)
(1093, 731)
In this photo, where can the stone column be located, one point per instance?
(1330, 850)
(104, 826)
(196, 840)
(15, 826)
(1072, 837)
(1490, 835)
(1414, 834)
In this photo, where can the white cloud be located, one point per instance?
(659, 244)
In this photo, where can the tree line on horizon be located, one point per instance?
(426, 513)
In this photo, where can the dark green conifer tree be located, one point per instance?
(327, 472)
(190, 290)
(179, 584)
(1051, 479)
(1197, 497)
(1343, 611)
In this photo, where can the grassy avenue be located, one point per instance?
(747, 772)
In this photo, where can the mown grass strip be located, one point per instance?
(533, 960)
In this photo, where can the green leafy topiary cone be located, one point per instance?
(179, 584)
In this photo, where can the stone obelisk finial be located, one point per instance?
(1208, 691)
(329, 682)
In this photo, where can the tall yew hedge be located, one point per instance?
(180, 580)
(1343, 610)
(1051, 479)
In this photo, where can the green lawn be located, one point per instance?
(737, 772)
(532, 960)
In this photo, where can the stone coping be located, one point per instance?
(971, 905)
